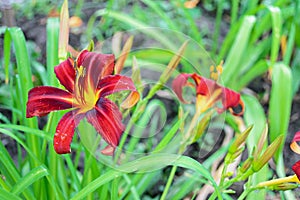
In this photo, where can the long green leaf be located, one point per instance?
(28, 179)
(52, 48)
(276, 33)
(6, 195)
(254, 114)
(280, 102)
(148, 163)
(231, 66)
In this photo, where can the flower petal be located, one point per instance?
(96, 66)
(116, 83)
(131, 100)
(296, 169)
(44, 99)
(294, 146)
(107, 120)
(204, 86)
(65, 131)
(178, 83)
(66, 74)
(230, 100)
(108, 150)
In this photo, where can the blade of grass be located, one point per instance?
(234, 11)
(296, 71)
(231, 66)
(280, 103)
(216, 34)
(279, 112)
(52, 48)
(6, 195)
(276, 33)
(254, 114)
(290, 45)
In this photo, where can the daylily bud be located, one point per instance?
(262, 139)
(279, 181)
(240, 139)
(180, 116)
(283, 186)
(168, 71)
(123, 56)
(202, 125)
(136, 76)
(267, 155)
(90, 47)
(245, 166)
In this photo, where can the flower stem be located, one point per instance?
(169, 182)
(180, 151)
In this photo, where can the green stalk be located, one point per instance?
(234, 11)
(217, 27)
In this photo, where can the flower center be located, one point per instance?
(85, 96)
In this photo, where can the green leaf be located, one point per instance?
(254, 114)
(231, 66)
(145, 164)
(52, 49)
(6, 195)
(276, 33)
(280, 103)
(28, 179)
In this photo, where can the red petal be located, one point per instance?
(65, 131)
(294, 146)
(114, 83)
(96, 66)
(296, 169)
(230, 98)
(65, 73)
(108, 150)
(205, 87)
(107, 120)
(178, 83)
(44, 99)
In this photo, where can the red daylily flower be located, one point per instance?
(88, 81)
(296, 169)
(208, 93)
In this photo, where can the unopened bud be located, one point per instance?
(283, 186)
(245, 166)
(240, 139)
(202, 125)
(267, 155)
